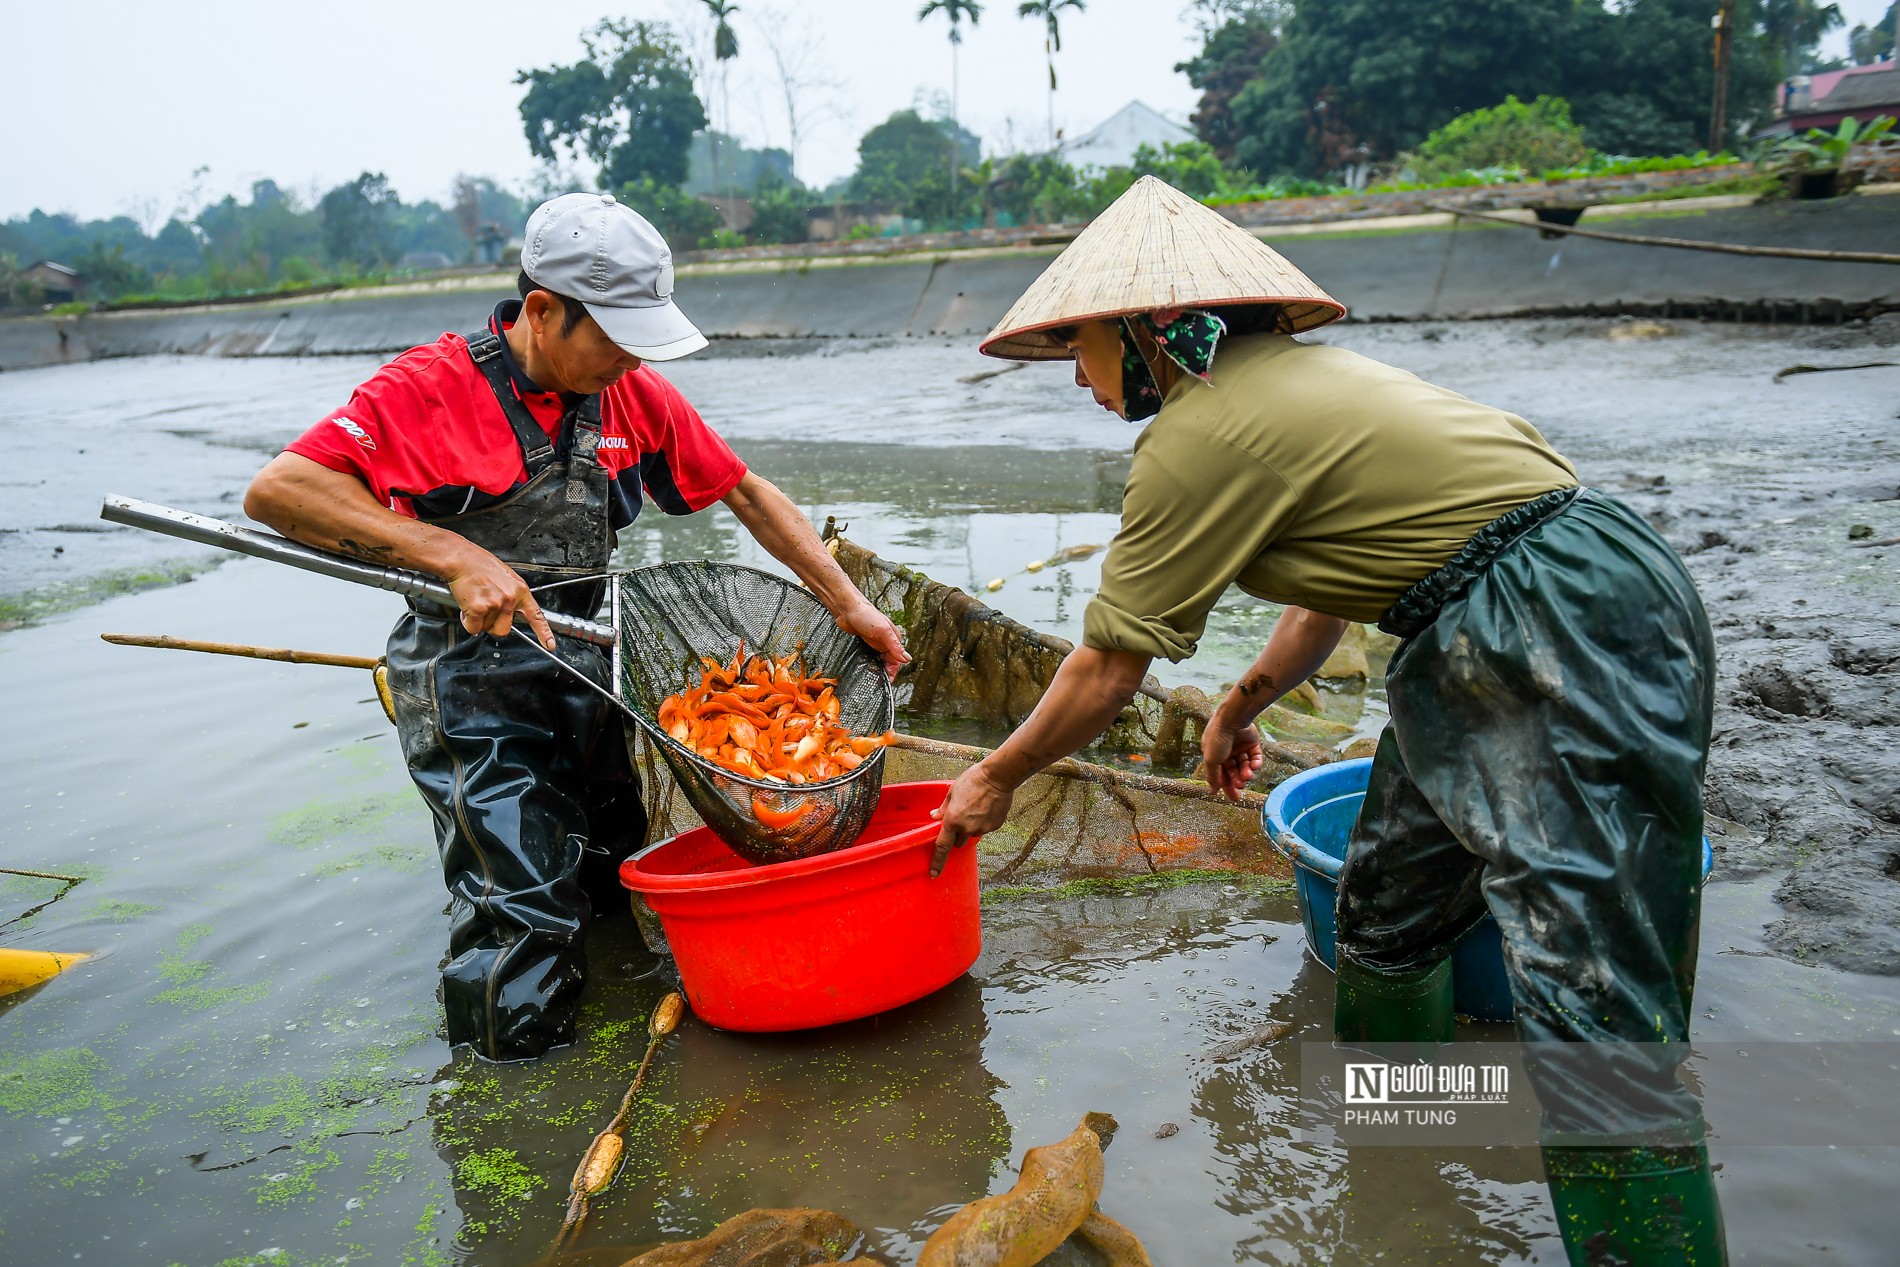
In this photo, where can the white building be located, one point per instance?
(1113, 142)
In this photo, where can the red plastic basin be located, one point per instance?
(793, 945)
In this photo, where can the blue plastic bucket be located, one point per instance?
(1310, 818)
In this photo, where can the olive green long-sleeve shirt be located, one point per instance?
(1307, 475)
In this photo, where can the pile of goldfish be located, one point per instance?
(766, 719)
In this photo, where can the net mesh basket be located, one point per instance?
(667, 616)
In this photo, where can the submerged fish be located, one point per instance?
(1261, 1036)
(1052, 1198)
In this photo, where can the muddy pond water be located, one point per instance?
(251, 1071)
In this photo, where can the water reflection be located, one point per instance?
(884, 1121)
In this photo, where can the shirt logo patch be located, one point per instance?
(613, 442)
(356, 433)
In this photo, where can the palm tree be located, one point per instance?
(956, 11)
(725, 48)
(986, 178)
(1050, 11)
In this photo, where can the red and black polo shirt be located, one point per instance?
(428, 437)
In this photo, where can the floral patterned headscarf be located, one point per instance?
(1188, 339)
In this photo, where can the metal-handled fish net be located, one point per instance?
(667, 616)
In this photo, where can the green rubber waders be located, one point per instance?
(1646, 1207)
(1398, 1007)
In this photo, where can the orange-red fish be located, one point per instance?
(767, 719)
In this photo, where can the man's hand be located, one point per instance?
(1230, 758)
(976, 804)
(333, 510)
(491, 594)
(872, 625)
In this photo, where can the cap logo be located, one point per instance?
(663, 284)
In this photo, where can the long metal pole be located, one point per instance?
(264, 545)
(1718, 115)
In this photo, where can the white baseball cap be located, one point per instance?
(591, 248)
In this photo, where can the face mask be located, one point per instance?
(1188, 339)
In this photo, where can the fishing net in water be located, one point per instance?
(667, 617)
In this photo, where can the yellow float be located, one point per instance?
(24, 969)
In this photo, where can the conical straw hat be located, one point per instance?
(1153, 248)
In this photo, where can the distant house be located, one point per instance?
(57, 283)
(1113, 142)
(1822, 101)
(734, 213)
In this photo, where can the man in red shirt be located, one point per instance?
(504, 463)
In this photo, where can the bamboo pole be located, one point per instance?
(1687, 244)
(284, 654)
(1067, 768)
(1088, 772)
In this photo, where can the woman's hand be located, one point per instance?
(1230, 757)
(976, 804)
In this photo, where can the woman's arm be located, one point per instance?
(787, 536)
(1090, 688)
(1230, 746)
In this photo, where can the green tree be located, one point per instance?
(982, 180)
(742, 167)
(17, 290)
(629, 105)
(1050, 11)
(1533, 137)
(1869, 44)
(1035, 188)
(108, 273)
(1230, 59)
(956, 11)
(425, 226)
(244, 244)
(1793, 28)
(1354, 80)
(176, 250)
(681, 218)
(1646, 78)
(898, 155)
(725, 48)
(778, 213)
(357, 222)
(1190, 166)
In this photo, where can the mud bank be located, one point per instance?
(1381, 274)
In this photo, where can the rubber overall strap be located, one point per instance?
(536, 450)
(581, 428)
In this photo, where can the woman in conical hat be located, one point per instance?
(1550, 701)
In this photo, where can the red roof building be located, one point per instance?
(1822, 101)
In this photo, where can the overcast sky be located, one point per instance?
(115, 104)
(121, 101)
